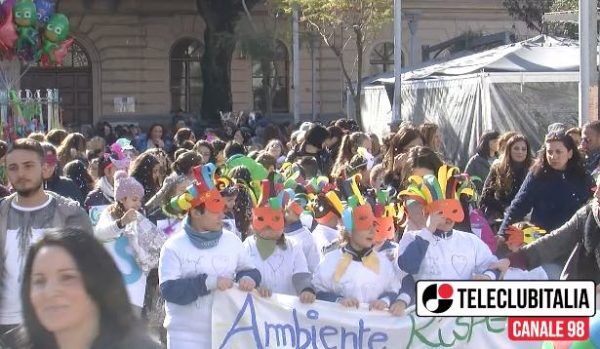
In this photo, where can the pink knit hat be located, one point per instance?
(127, 186)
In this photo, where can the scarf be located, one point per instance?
(368, 258)
(292, 227)
(107, 189)
(204, 240)
(266, 247)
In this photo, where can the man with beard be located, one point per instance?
(26, 214)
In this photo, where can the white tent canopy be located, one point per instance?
(522, 87)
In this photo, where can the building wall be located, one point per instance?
(130, 50)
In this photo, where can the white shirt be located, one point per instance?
(457, 257)
(309, 246)
(11, 312)
(358, 281)
(278, 270)
(179, 258)
(324, 236)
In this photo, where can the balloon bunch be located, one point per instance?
(33, 32)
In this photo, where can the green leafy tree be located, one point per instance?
(340, 22)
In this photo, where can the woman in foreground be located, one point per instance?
(73, 297)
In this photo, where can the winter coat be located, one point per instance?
(478, 166)
(65, 187)
(494, 202)
(552, 197)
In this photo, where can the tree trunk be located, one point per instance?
(220, 17)
(219, 45)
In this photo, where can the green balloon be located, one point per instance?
(57, 28)
(583, 345)
(25, 13)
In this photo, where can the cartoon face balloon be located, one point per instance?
(24, 13)
(57, 28)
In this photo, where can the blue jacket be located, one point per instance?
(552, 198)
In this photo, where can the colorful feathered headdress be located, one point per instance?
(268, 212)
(441, 193)
(205, 190)
(357, 213)
(385, 215)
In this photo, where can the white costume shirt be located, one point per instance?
(278, 269)
(358, 281)
(189, 326)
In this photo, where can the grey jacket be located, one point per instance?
(557, 245)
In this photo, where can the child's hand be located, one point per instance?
(434, 220)
(398, 308)
(246, 284)
(377, 305)
(307, 297)
(129, 216)
(481, 277)
(224, 283)
(264, 292)
(349, 302)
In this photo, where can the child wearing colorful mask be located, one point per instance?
(229, 194)
(385, 225)
(327, 211)
(438, 251)
(197, 261)
(356, 273)
(122, 228)
(280, 260)
(295, 230)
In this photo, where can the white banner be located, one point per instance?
(242, 320)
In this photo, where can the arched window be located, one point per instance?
(186, 75)
(382, 58)
(270, 81)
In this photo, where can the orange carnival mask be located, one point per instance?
(267, 217)
(384, 229)
(450, 209)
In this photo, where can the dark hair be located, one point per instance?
(397, 144)
(3, 148)
(233, 148)
(483, 147)
(73, 141)
(102, 280)
(185, 162)
(266, 159)
(218, 146)
(574, 165)
(56, 136)
(309, 166)
(428, 131)
(38, 136)
(347, 150)
(421, 157)
(77, 172)
(29, 145)
(207, 145)
(182, 135)
(316, 135)
(505, 169)
(594, 125)
(151, 128)
(48, 148)
(357, 164)
(141, 170)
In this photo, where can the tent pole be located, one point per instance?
(396, 109)
(588, 71)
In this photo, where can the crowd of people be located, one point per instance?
(108, 234)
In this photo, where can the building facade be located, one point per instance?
(141, 61)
